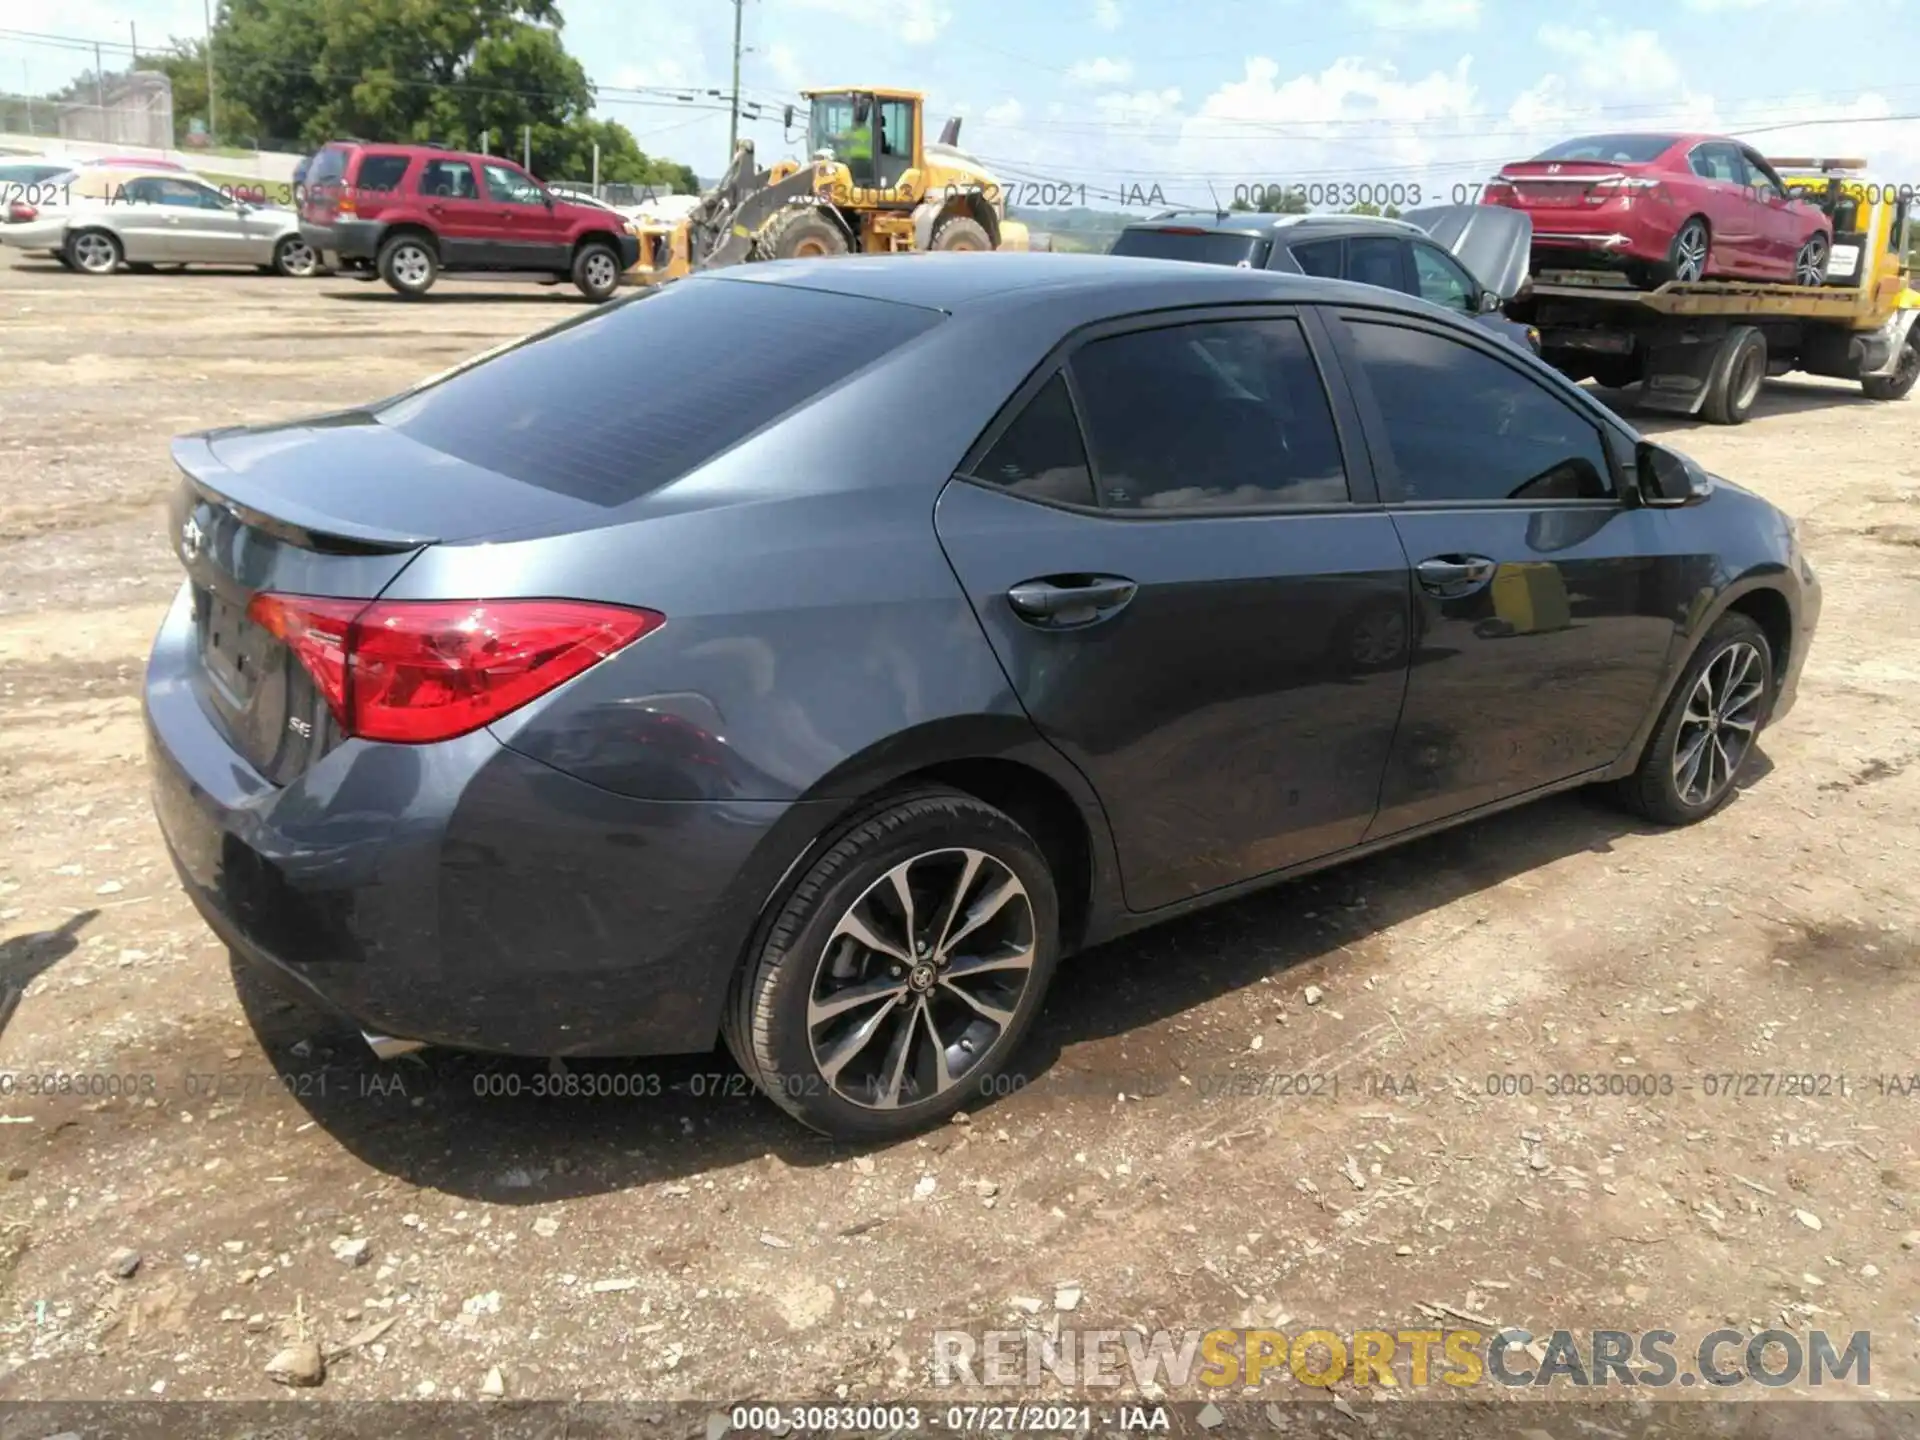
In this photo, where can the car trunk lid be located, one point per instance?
(1494, 243)
(1551, 184)
(335, 507)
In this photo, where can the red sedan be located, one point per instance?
(1666, 207)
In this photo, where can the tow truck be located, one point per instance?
(1703, 348)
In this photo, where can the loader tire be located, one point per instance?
(801, 233)
(961, 233)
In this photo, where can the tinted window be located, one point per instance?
(1319, 257)
(1041, 454)
(1377, 260)
(30, 174)
(896, 127)
(1223, 415)
(1611, 149)
(1211, 247)
(1442, 281)
(1462, 426)
(586, 409)
(380, 173)
(452, 179)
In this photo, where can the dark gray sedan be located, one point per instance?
(570, 704)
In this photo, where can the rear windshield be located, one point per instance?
(1611, 149)
(329, 164)
(1211, 247)
(634, 394)
(31, 172)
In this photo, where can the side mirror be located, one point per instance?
(1488, 302)
(1668, 478)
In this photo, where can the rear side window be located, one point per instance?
(636, 393)
(1319, 257)
(1377, 260)
(1041, 455)
(449, 179)
(1224, 415)
(381, 174)
(1210, 247)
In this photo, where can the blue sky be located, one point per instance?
(1118, 96)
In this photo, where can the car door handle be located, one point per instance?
(436, 209)
(1454, 575)
(1066, 601)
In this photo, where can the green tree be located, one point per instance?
(472, 74)
(1272, 202)
(1367, 207)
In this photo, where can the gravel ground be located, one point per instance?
(267, 1182)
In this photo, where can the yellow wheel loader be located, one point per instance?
(872, 185)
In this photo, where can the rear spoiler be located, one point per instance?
(289, 520)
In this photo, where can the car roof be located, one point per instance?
(1109, 284)
(1297, 227)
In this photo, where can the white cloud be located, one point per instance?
(1106, 14)
(1715, 6)
(917, 22)
(1420, 14)
(1102, 71)
(1007, 112)
(1634, 62)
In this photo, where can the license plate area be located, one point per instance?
(235, 651)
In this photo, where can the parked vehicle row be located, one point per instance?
(556, 714)
(99, 217)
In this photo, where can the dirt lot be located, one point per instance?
(753, 1261)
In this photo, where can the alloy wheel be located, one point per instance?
(1690, 252)
(411, 265)
(920, 978)
(601, 272)
(1719, 723)
(94, 253)
(297, 258)
(1811, 266)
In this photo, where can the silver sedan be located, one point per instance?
(94, 221)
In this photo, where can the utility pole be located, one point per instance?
(526, 148)
(733, 129)
(99, 89)
(213, 129)
(133, 47)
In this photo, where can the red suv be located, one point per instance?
(407, 212)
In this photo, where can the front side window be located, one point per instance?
(1041, 455)
(1442, 281)
(1461, 426)
(512, 188)
(896, 128)
(1219, 415)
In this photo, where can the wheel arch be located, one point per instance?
(968, 205)
(408, 227)
(1760, 597)
(595, 237)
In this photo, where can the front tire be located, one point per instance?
(1707, 731)
(902, 972)
(596, 272)
(961, 232)
(408, 265)
(802, 233)
(94, 252)
(1897, 385)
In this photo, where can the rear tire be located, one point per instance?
(873, 1068)
(962, 232)
(1733, 384)
(1688, 254)
(408, 265)
(94, 252)
(802, 233)
(596, 271)
(294, 258)
(1671, 785)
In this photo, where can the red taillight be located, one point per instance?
(19, 212)
(1616, 185)
(1498, 192)
(414, 671)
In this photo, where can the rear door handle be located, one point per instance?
(1454, 575)
(1063, 602)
